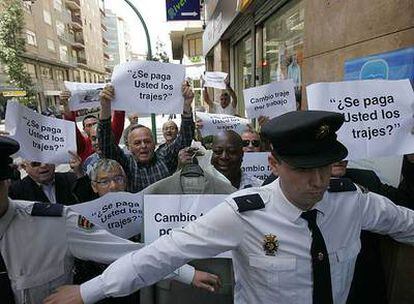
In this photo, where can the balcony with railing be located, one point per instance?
(76, 22)
(73, 5)
(78, 42)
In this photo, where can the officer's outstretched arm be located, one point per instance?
(218, 231)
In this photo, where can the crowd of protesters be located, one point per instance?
(180, 165)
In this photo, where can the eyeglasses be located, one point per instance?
(35, 164)
(254, 142)
(119, 179)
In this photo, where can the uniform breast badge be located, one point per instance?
(270, 244)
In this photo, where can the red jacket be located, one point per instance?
(84, 143)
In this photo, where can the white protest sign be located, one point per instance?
(215, 123)
(41, 138)
(388, 169)
(378, 115)
(162, 213)
(84, 95)
(256, 164)
(215, 80)
(271, 100)
(118, 212)
(148, 87)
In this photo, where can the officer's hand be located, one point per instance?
(206, 281)
(68, 294)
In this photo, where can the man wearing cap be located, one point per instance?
(293, 241)
(39, 241)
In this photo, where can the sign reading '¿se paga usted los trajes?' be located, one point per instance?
(148, 87)
(378, 115)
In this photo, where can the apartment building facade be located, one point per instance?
(64, 41)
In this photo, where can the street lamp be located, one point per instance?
(149, 57)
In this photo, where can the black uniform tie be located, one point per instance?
(322, 286)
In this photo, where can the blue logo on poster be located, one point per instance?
(374, 69)
(398, 64)
(183, 10)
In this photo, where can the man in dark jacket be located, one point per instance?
(43, 184)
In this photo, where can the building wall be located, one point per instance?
(92, 33)
(339, 30)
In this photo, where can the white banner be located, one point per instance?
(215, 80)
(162, 213)
(256, 164)
(84, 95)
(215, 123)
(118, 212)
(378, 115)
(148, 87)
(41, 138)
(271, 100)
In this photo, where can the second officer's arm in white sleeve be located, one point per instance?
(218, 231)
(382, 216)
(89, 242)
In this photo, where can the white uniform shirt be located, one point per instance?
(283, 278)
(38, 250)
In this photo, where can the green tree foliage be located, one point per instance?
(12, 45)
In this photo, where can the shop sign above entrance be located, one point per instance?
(179, 10)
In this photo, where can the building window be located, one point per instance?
(60, 75)
(31, 69)
(47, 17)
(46, 73)
(63, 52)
(51, 45)
(57, 4)
(243, 67)
(283, 45)
(31, 38)
(76, 75)
(60, 28)
(195, 47)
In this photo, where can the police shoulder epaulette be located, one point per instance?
(43, 209)
(341, 185)
(249, 202)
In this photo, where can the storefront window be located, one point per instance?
(243, 68)
(283, 46)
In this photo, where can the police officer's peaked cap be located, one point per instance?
(306, 139)
(8, 147)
